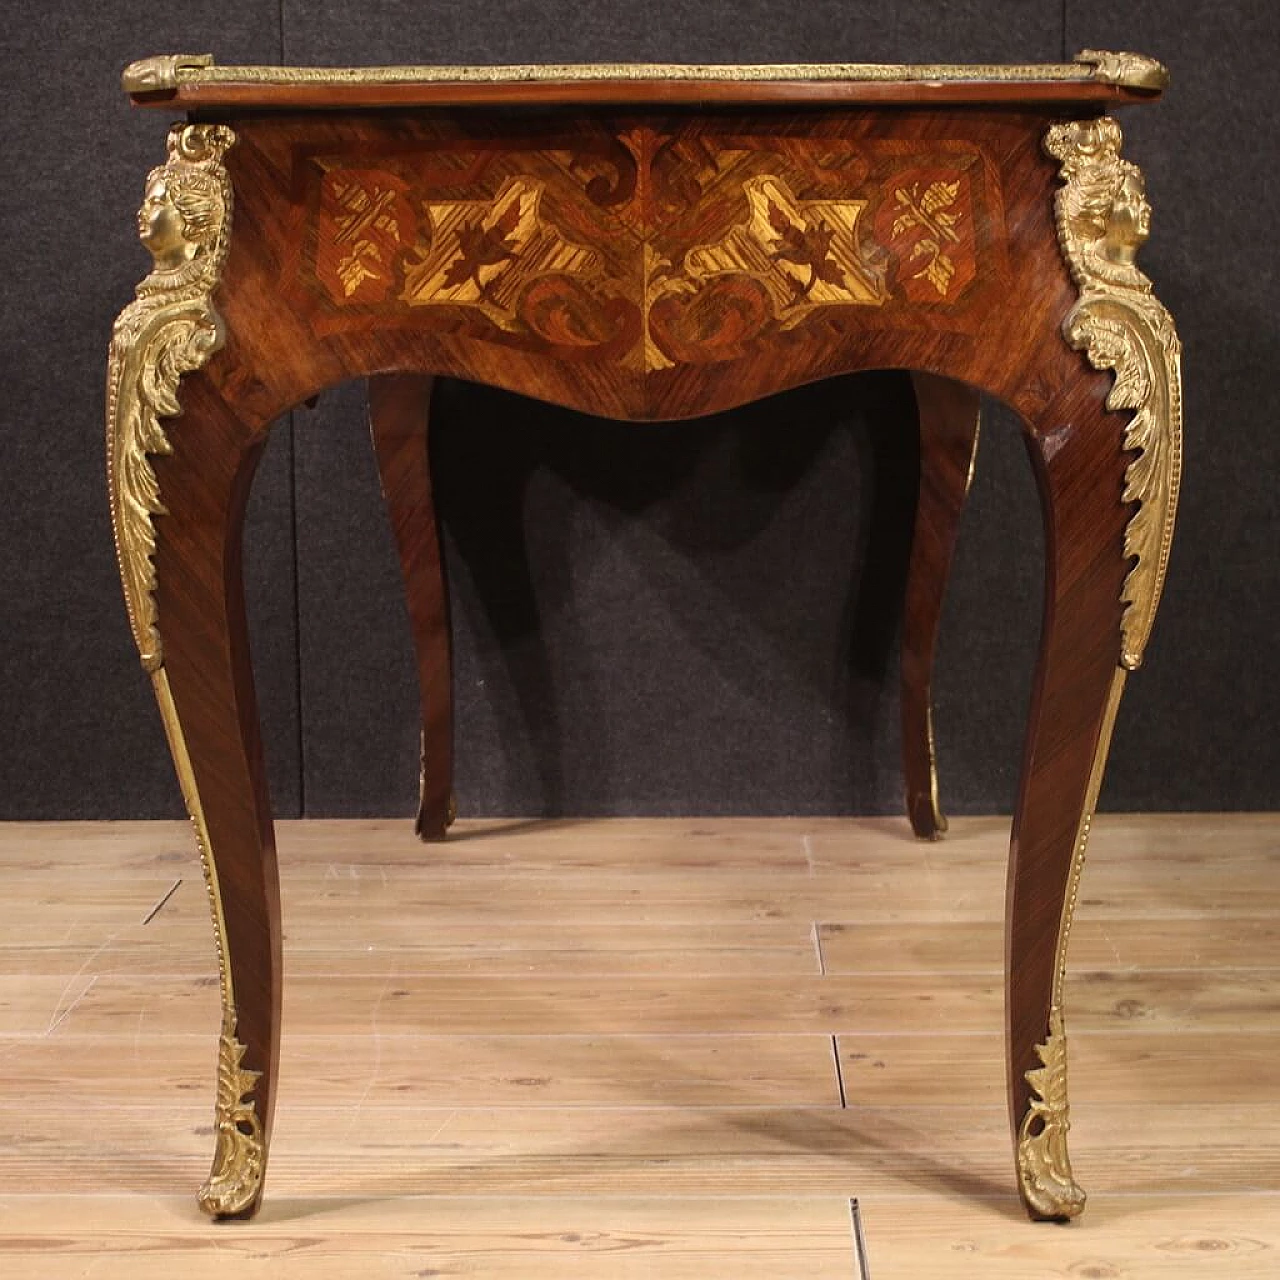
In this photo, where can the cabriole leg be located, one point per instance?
(399, 412)
(204, 684)
(178, 491)
(948, 414)
(211, 718)
(1077, 687)
(1108, 473)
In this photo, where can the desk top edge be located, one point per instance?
(195, 80)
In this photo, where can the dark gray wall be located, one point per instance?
(656, 619)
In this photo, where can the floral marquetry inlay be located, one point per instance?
(675, 255)
(931, 231)
(365, 219)
(483, 253)
(805, 253)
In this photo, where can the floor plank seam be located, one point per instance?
(155, 911)
(653, 1114)
(860, 1033)
(862, 1262)
(817, 946)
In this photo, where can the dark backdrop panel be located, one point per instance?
(674, 618)
(79, 734)
(1199, 730)
(649, 619)
(460, 31)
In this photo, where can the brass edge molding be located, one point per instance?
(1128, 70)
(518, 73)
(1044, 1162)
(1103, 219)
(170, 328)
(156, 75)
(239, 1157)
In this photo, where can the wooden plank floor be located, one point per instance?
(641, 1049)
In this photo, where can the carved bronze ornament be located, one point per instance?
(1044, 1165)
(1103, 220)
(239, 1154)
(172, 328)
(1133, 70)
(160, 74)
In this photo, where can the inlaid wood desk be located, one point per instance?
(644, 242)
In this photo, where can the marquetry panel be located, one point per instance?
(631, 250)
(492, 242)
(753, 235)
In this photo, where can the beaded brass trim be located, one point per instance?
(239, 1156)
(1044, 1162)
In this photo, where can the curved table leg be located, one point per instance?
(178, 474)
(203, 681)
(399, 412)
(1108, 462)
(948, 414)
(1080, 466)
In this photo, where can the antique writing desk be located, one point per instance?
(644, 242)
